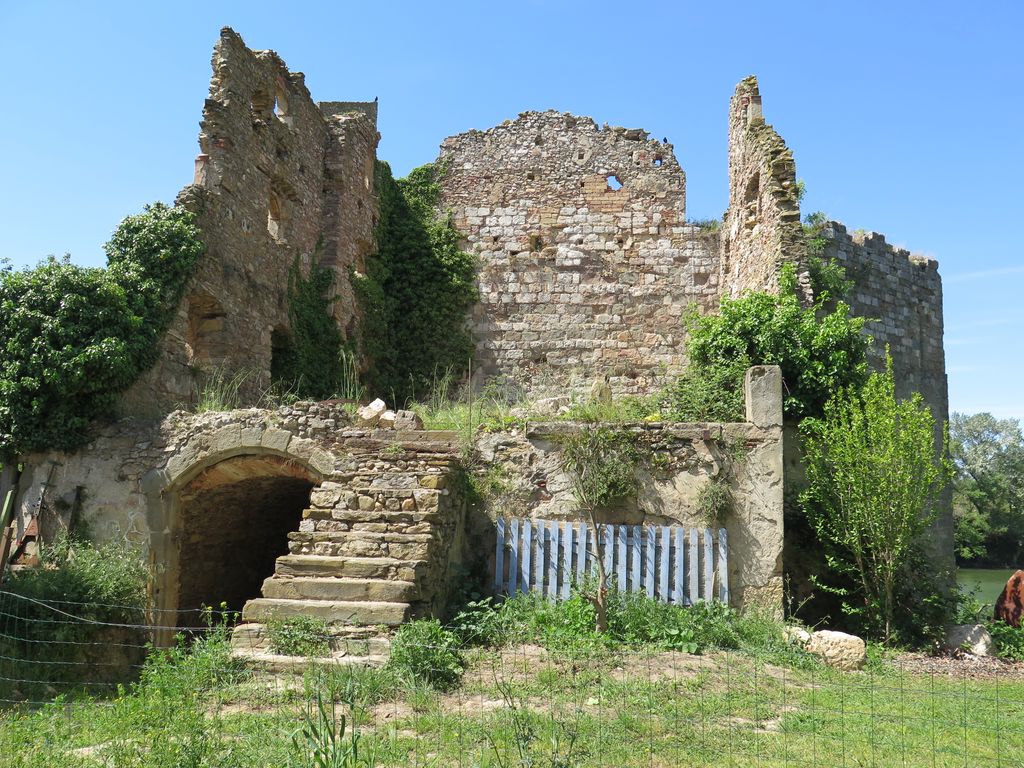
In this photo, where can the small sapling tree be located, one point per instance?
(874, 476)
(601, 464)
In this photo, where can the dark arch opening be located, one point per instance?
(235, 519)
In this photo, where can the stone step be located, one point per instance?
(403, 546)
(344, 641)
(276, 664)
(366, 613)
(373, 516)
(351, 567)
(327, 588)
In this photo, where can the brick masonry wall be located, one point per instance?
(578, 280)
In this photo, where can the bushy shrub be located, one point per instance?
(72, 338)
(1009, 640)
(428, 652)
(820, 349)
(299, 636)
(62, 614)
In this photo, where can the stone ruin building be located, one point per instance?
(587, 264)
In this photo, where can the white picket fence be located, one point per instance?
(671, 563)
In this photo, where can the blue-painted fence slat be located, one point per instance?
(666, 553)
(581, 551)
(709, 571)
(669, 563)
(694, 592)
(678, 575)
(513, 555)
(499, 556)
(723, 570)
(525, 574)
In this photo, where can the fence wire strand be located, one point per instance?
(80, 676)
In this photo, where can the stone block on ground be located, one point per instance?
(408, 421)
(972, 638)
(370, 415)
(838, 649)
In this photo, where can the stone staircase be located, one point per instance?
(373, 550)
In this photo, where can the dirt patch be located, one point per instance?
(959, 665)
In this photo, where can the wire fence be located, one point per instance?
(82, 685)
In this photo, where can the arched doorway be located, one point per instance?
(231, 522)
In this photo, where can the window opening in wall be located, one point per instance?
(538, 140)
(614, 183)
(581, 155)
(275, 217)
(657, 162)
(531, 176)
(750, 199)
(280, 102)
(282, 355)
(261, 104)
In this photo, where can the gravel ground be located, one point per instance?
(959, 665)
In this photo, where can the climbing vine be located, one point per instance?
(309, 361)
(417, 289)
(72, 338)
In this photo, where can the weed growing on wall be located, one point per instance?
(299, 636)
(417, 289)
(73, 338)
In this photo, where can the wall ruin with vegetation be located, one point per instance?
(695, 475)
(281, 184)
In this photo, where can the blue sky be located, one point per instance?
(904, 117)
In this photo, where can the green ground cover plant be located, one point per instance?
(299, 636)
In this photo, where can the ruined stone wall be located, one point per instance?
(762, 226)
(587, 264)
(278, 182)
(525, 479)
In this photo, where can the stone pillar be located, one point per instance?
(762, 392)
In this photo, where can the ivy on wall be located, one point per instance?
(417, 290)
(308, 361)
(73, 338)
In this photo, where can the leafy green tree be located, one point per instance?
(988, 488)
(601, 464)
(72, 338)
(874, 478)
(820, 348)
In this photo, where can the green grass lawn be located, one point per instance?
(524, 706)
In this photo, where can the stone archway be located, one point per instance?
(219, 512)
(234, 519)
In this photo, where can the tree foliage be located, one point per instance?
(602, 465)
(874, 478)
(988, 489)
(72, 338)
(417, 290)
(820, 349)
